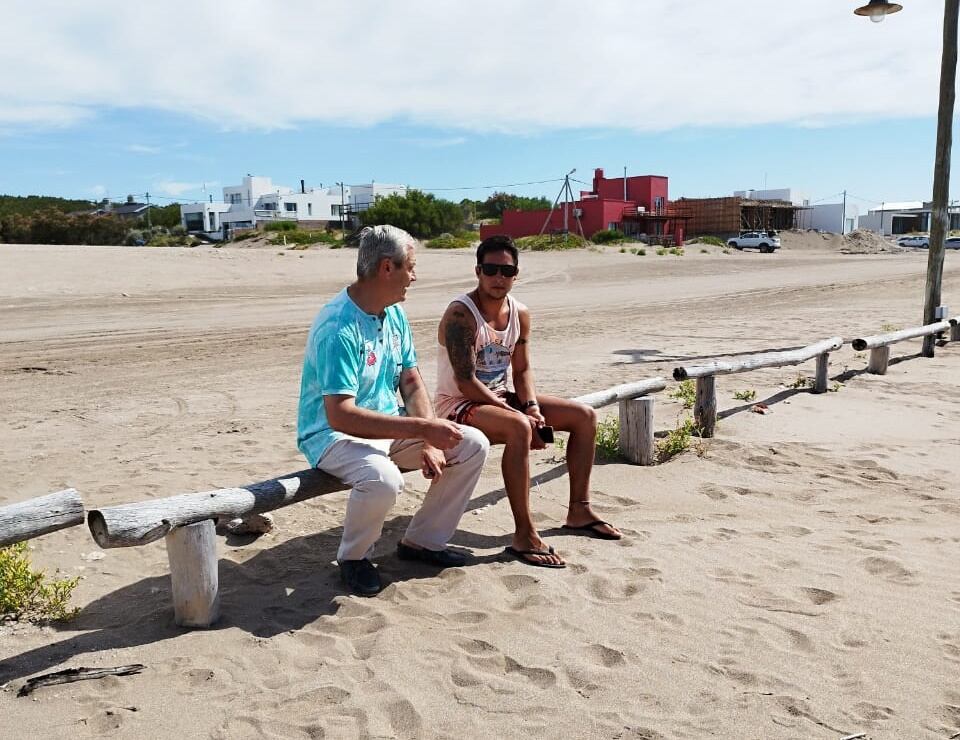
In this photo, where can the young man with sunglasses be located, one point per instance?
(484, 337)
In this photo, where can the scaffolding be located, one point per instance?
(725, 217)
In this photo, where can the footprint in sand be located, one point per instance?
(468, 617)
(818, 596)
(889, 569)
(516, 582)
(951, 645)
(606, 656)
(405, 720)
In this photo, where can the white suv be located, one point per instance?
(765, 241)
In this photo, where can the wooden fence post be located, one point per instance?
(823, 363)
(705, 409)
(192, 551)
(879, 359)
(636, 430)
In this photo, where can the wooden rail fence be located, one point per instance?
(186, 521)
(705, 408)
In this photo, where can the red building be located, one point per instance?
(640, 209)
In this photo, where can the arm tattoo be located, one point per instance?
(459, 338)
(522, 340)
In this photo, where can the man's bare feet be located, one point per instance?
(581, 516)
(535, 551)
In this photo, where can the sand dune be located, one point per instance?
(793, 578)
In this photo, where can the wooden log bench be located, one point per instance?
(705, 407)
(186, 521)
(37, 516)
(879, 344)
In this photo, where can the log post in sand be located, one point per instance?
(636, 430)
(194, 578)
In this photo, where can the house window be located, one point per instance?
(290, 207)
(309, 209)
(213, 221)
(235, 198)
(335, 210)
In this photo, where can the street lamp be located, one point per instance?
(939, 216)
(878, 9)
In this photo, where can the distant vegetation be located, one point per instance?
(714, 240)
(29, 204)
(494, 206)
(465, 240)
(421, 214)
(548, 242)
(608, 236)
(36, 219)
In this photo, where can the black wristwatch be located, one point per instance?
(528, 404)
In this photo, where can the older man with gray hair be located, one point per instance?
(359, 354)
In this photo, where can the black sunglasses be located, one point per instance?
(508, 271)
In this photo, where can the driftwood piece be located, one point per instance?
(34, 517)
(879, 360)
(755, 362)
(76, 674)
(881, 340)
(705, 406)
(147, 521)
(622, 392)
(194, 577)
(636, 430)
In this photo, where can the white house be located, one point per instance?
(892, 219)
(787, 194)
(257, 200)
(832, 217)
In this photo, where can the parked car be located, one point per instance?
(765, 241)
(952, 242)
(923, 242)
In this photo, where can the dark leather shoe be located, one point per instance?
(361, 577)
(440, 558)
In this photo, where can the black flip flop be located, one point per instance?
(591, 528)
(521, 555)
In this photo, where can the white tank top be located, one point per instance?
(493, 352)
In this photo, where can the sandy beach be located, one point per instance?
(794, 578)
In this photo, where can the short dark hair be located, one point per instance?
(498, 243)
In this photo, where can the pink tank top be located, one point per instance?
(494, 350)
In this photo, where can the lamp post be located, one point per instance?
(939, 217)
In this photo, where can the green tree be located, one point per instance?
(421, 214)
(496, 204)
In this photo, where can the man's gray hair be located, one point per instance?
(381, 242)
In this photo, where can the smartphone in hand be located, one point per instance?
(546, 434)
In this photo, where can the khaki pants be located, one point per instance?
(371, 467)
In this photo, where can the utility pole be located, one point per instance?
(882, 208)
(149, 224)
(843, 217)
(939, 212)
(624, 182)
(341, 209)
(566, 192)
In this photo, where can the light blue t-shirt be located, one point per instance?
(350, 353)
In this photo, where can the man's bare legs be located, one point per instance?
(581, 422)
(512, 429)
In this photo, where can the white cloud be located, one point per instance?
(508, 66)
(143, 149)
(175, 189)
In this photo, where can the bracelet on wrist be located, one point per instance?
(529, 405)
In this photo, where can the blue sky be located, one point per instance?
(168, 97)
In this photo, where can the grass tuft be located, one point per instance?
(29, 594)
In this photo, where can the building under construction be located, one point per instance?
(726, 217)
